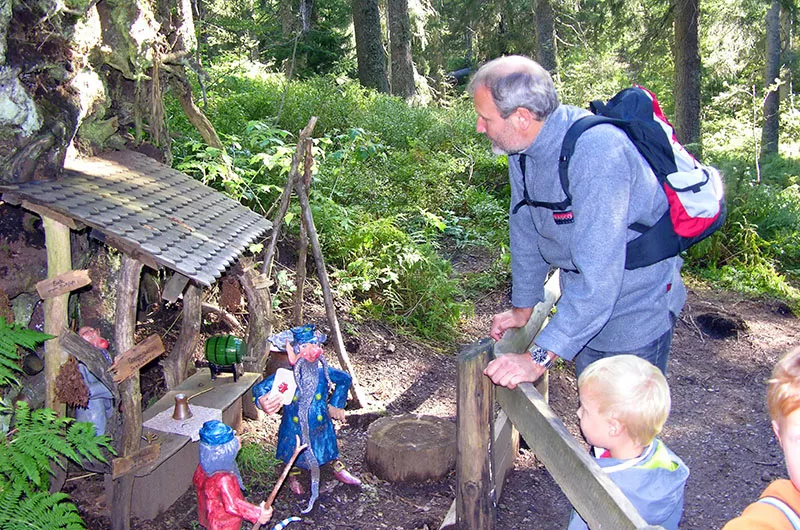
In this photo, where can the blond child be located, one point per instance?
(624, 402)
(779, 504)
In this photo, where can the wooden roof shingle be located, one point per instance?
(146, 208)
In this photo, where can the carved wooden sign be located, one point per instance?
(124, 465)
(63, 283)
(127, 364)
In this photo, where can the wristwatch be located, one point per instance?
(541, 356)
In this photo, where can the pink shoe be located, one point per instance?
(295, 485)
(344, 476)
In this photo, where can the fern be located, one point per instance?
(11, 336)
(39, 438)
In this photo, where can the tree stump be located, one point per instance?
(411, 448)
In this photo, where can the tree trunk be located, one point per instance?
(176, 365)
(545, 35)
(687, 73)
(772, 71)
(400, 45)
(369, 45)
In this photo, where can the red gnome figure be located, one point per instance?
(220, 504)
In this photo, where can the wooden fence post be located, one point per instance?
(475, 499)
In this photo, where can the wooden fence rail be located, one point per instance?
(487, 448)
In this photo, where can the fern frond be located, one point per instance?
(11, 336)
(38, 511)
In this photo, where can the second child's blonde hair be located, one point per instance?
(632, 391)
(783, 390)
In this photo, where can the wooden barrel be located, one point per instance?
(225, 349)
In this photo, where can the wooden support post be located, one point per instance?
(130, 391)
(475, 494)
(259, 326)
(59, 261)
(176, 365)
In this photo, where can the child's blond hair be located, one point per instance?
(632, 391)
(783, 388)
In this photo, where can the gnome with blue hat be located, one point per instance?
(220, 504)
(310, 411)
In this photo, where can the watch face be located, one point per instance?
(539, 355)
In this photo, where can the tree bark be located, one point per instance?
(130, 392)
(687, 73)
(545, 35)
(369, 45)
(772, 71)
(400, 45)
(176, 365)
(55, 309)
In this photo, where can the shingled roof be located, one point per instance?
(148, 209)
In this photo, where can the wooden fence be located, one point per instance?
(487, 446)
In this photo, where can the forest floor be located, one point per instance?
(723, 351)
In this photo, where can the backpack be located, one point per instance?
(694, 191)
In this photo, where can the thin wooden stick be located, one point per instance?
(201, 392)
(297, 449)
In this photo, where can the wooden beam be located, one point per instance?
(505, 449)
(176, 365)
(59, 261)
(596, 498)
(92, 357)
(259, 326)
(475, 493)
(44, 211)
(63, 283)
(130, 390)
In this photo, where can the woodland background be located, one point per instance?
(401, 181)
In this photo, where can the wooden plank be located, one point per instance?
(475, 499)
(63, 283)
(596, 498)
(504, 452)
(59, 261)
(131, 249)
(92, 357)
(128, 364)
(518, 340)
(44, 211)
(174, 287)
(128, 464)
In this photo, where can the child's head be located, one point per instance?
(783, 399)
(623, 392)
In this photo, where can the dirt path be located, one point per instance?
(719, 426)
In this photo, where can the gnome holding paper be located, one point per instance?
(307, 411)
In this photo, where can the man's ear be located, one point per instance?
(777, 430)
(524, 118)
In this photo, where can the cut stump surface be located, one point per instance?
(411, 448)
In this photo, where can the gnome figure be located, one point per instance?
(101, 400)
(220, 504)
(309, 412)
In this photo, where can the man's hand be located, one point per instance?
(266, 514)
(336, 413)
(511, 369)
(513, 318)
(270, 403)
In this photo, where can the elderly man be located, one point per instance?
(604, 309)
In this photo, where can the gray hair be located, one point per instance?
(517, 81)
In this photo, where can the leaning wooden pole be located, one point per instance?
(302, 250)
(322, 274)
(130, 391)
(475, 491)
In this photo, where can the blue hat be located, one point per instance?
(305, 334)
(214, 432)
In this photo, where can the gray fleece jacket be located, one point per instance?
(602, 305)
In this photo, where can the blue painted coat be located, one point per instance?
(320, 425)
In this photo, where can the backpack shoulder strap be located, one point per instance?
(785, 508)
(575, 130)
